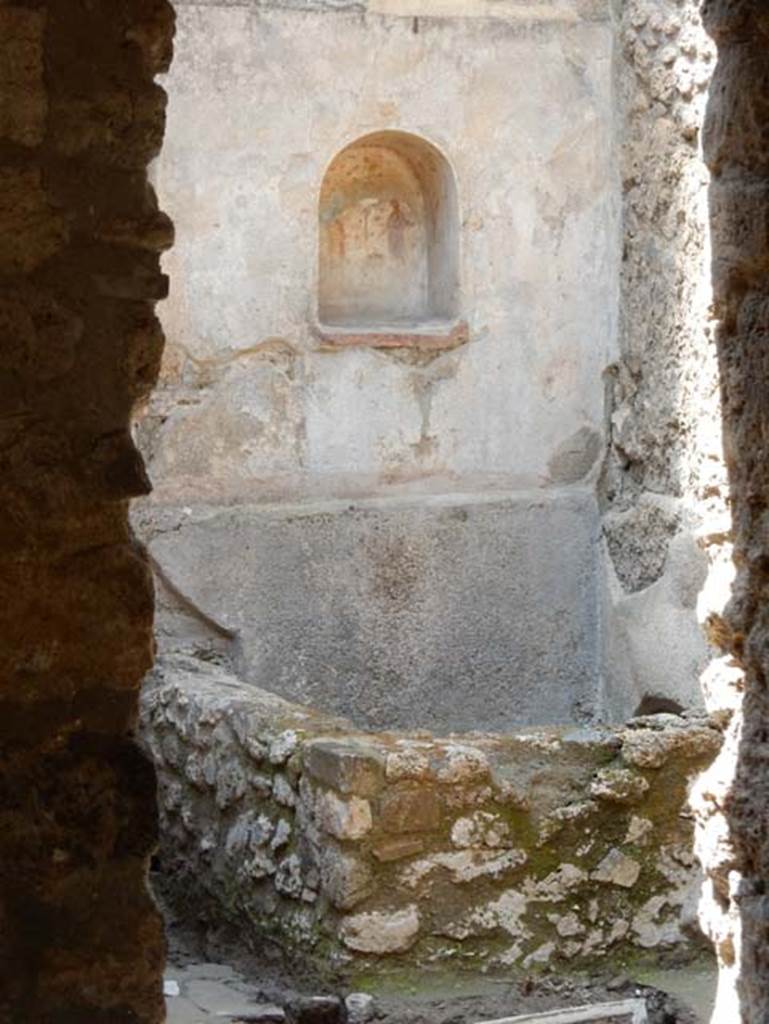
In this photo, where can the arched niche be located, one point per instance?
(388, 245)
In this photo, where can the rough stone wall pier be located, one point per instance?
(733, 798)
(80, 232)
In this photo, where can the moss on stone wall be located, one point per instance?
(546, 848)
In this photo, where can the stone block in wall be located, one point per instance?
(153, 231)
(481, 829)
(288, 877)
(462, 866)
(346, 878)
(616, 785)
(345, 765)
(152, 30)
(345, 819)
(409, 808)
(652, 747)
(142, 354)
(119, 128)
(32, 228)
(103, 592)
(462, 764)
(77, 823)
(617, 868)
(735, 132)
(740, 233)
(38, 335)
(23, 99)
(381, 932)
(408, 762)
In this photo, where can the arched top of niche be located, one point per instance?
(388, 246)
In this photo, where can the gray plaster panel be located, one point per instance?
(453, 614)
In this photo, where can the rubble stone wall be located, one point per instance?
(551, 847)
(732, 799)
(663, 489)
(80, 231)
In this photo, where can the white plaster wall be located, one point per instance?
(261, 97)
(340, 578)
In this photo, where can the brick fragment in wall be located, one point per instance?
(396, 848)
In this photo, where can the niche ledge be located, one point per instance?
(427, 337)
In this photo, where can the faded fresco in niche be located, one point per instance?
(387, 238)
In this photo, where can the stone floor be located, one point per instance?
(199, 993)
(202, 993)
(695, 987)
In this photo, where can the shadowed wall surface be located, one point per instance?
(736, 142)
(80, 117)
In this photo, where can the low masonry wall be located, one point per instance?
(554, 846)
